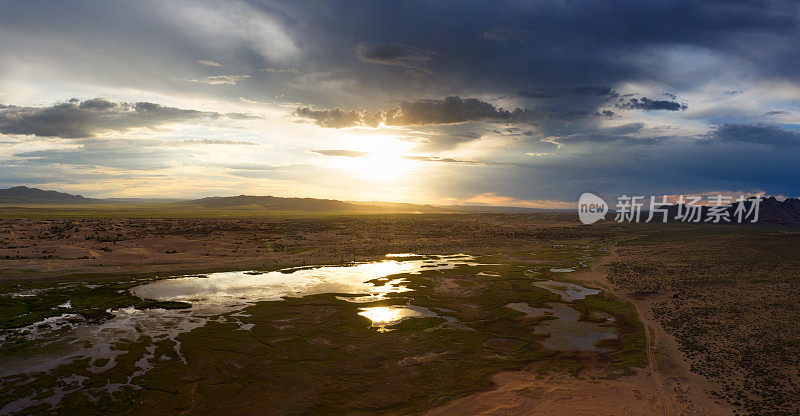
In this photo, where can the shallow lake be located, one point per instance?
(222, 297)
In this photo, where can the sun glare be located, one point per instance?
(385, 162)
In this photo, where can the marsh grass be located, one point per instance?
(316, 355)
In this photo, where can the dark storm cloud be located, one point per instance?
(648, 104)
(545, 43)
(671, 166)
(393, 54)
(501, 34)
(336, 118)
(756, 134)
(560, 92)
(450, 110)
(87, 118)
(444, 137)
(344, 153)
(503, 47)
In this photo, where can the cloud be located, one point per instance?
(220, 79)
(443, 159)
(344, 153)
(560, 62)
(450, 110)
(419, 158)
(209, 63)
(501, 34)
(220, 141)
(567, 91)
(777, 113)
(335, 118)
(765, 134)
(88, 118)
(439, 138)
(393, 54)
(272, 70)
(251, 166)
(647, 104)
(121, 154)
(597, 138)
(629, 134)
(222, 24)
(490, 198)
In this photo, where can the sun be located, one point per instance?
(384, 167)
(386, 160)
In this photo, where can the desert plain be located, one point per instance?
(502, 314)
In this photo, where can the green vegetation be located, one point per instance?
(24, 305)
(316, 355)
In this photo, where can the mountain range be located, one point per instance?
(23, 194)
(771, 210)
(26, 195)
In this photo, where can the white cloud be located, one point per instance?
(220, 79)
(227, 24)
(209, 63)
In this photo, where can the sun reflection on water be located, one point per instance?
(384, 316)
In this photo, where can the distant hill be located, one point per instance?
(500, 209)
(26, 195)
(23, 194)
(777, 212)
(331, 205)
(771, 211)
(278, 204)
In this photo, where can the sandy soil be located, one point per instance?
(666, 387)
(523, 393)
(45, 248)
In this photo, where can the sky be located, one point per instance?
(524, 103)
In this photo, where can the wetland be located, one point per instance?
(395, 314)
(333, 334)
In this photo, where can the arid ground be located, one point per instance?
(703, 317)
